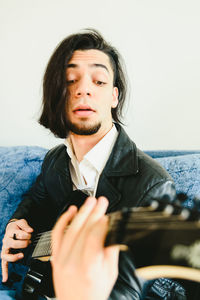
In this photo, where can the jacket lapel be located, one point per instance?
(106, 189)
(61, 169)
(122, 162)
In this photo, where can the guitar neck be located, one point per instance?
(156, 234)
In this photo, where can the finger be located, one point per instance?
(23, 224)
(90, 241)
(96, 214)
(111, 255)
(77, 225)
(60, 227)
(97, 240)
(12, 257)
(16, 244)
(19, 234)
(4, 263)
(98, 211)
(4, 268)
(95, 237)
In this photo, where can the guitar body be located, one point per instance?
(38, 280)
(164, 239)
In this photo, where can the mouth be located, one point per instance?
(83, 111)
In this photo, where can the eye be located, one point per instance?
(101, 83)
(71, 81)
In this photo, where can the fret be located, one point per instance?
(131, 224)
(43, 246)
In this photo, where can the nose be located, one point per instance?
(83, 88)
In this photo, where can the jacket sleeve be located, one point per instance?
(127, 286)
(36, 207)
(164, 189)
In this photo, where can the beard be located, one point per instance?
(83, 129)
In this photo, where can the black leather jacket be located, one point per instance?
(129, 179)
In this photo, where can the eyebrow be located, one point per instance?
(91, 65)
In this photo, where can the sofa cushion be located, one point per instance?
(19, 167)
(185, 171)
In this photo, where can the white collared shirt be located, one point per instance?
(85, 175)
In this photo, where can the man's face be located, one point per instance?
(91, 93)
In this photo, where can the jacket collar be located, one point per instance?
(123, 160)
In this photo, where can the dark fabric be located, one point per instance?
(165, 289)
(130, 178)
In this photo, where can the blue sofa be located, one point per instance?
(19, 167)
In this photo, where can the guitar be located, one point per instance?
(164, 239)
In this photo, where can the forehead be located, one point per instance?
(89, 57)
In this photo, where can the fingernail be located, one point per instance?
(72, 207)
(103, 201)
(20, 255)
(90, 200)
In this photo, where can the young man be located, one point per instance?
(83, 94)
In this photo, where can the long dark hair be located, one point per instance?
(55, 92)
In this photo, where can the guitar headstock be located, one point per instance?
(179, 207)
(160, 233)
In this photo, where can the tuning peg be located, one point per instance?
(181, 198)
(159, 202)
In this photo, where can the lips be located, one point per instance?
(83, 107)
(83, 110)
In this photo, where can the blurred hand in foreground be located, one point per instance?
(83, 268)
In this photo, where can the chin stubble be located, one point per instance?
(82, 129)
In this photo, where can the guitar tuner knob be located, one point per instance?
(168, 210)
(185, 214)
(154, 204)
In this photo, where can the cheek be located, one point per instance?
(68, 105)
(106, 107)
(70, 91)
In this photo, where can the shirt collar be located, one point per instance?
(70, 150)
(100, 153)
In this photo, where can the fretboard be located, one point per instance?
(158, 225)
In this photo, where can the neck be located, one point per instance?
(82, 144)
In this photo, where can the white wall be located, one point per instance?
(159, 40)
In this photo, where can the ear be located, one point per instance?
(115, 95)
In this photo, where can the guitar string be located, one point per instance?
(152, 216)
(137, 212)
(136, 220)
(170, 226)
(150, 213)
(45, 247)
